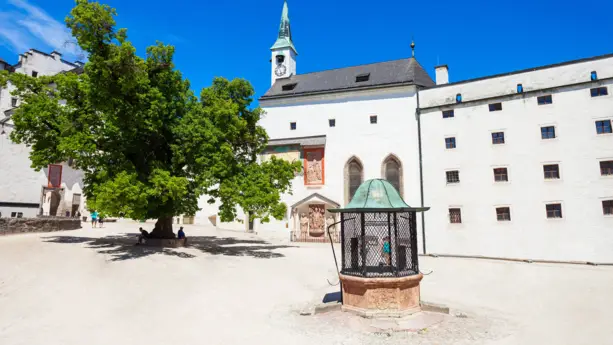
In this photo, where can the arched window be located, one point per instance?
(391, 170)
(354, 176)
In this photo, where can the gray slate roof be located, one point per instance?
(389, 73)
(318, 140)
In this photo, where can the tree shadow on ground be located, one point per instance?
(123, 247)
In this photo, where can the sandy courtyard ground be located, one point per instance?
(93, 286)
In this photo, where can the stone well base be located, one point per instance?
(169, 243)
(381, 297)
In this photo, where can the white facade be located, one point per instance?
(21, 188)
(582, 230)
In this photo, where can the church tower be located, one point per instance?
(283, 62)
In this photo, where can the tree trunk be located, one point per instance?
(163, 228)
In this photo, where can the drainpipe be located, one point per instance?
(421, 172)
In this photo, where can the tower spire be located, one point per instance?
(284, 39)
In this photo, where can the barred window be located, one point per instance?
(554, 210)
(599, 91)
(607, 207)
(498, 138)
(542, 100)
(551, 171)
(548, 132)
(455, 216)
(503, 214)
(450, 143)
(606, 168)
(495, 107)
(603, 127)
(501, 175)
(453, 176)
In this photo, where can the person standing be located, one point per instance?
(94, 216)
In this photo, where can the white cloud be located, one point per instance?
(28, 26)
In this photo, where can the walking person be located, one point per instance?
(94, 216)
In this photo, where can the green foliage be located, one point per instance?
(147, 145)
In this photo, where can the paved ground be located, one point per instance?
(92, 286)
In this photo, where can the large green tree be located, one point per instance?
(149, 148)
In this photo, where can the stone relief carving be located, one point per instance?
(314, 167)
(304, 223)
(317, 220)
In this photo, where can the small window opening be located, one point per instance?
(599, 91)
(292, 126)
(280, 58)
(289, 87)
(495, 107)
(594, 75)
(332, 122)
(458, 98)
(448, 113)
(34, 74)
(373, 119)
(362, 78)
(520, 88)
(542, 100)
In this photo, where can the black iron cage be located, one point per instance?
(379, 244)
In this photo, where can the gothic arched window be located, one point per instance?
(354, 176)
(392, 172)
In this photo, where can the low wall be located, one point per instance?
(28, 225)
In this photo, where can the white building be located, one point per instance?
(23, 191)
(518, 165)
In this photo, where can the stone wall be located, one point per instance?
(28, 225)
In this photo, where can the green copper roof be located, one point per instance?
(377, 195)
(284, 39)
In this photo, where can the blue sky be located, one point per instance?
(232, 38)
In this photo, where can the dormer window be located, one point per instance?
(280, 59)
(362, 78)
(289, 87)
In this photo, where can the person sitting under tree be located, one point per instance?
(181, 235)
(144, 235)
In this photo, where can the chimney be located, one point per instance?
(442, 74)
(56, 55)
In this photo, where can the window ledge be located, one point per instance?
(314, 186)
(453, 183)
(604, 134)
(556, 219)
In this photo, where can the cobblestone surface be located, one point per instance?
(93, 286)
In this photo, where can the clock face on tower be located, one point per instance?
(280, 70)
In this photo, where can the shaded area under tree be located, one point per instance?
(122, 247)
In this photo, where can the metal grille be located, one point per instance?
(381, 244)
(500, 175)
(606, 168)
(551, 171)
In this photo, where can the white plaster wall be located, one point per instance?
(583, 234)
(531, 80)
(19, 182)
(395, 132)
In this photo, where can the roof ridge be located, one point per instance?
(365, 64)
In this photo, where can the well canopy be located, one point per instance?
(377, 195)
